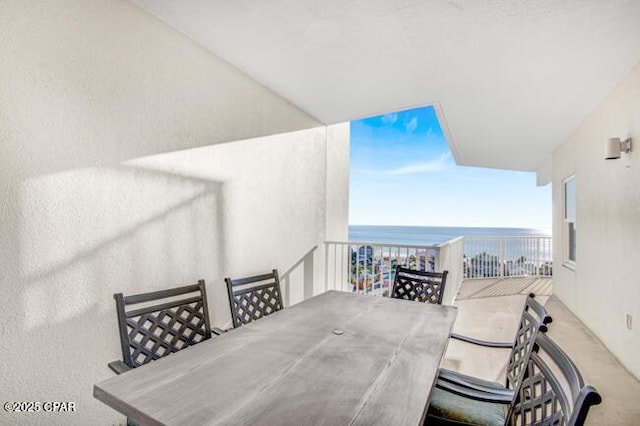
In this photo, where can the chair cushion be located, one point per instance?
(461, 377)
(448, 408)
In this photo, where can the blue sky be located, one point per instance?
(403, 173)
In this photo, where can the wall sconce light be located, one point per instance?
(614, 146)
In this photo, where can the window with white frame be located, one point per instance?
(570, 230)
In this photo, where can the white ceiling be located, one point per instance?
(512, 78)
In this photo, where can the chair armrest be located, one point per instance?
(505, 345)
(119, 367)
(215, 331)
(474, 383)
(478, 395)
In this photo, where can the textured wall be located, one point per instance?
(604, 286)
(114, 177)
(100, 81)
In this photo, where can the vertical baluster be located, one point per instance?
(347, 261)
(527, 254)
(471, 254)
(525, 250)
(344, 272)
(372, 279)
(465, 247)
(326, 266)
(434, 260)
(533, 244)
(500, 272)
(373, 269)
(477, 264)
(543, 256)
(397, 257)
(366, 268)
(536, 255)
(381, 271)
(369, 269)
(344, 275)
(550, 251)
(406, 260)
(534, 259)
(338, 275)
(467, 250)
(338, 284)
(390, 268)
(357, 269)
(362, 265)
(477, 271)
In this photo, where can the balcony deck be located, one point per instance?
(489, 309)
(476, 288)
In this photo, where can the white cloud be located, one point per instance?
(423, 167)
(412, 124)
(389, 118)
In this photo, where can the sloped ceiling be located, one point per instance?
(511, 78)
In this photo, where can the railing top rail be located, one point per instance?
(507, 237)
(368, 243)
(451, 241)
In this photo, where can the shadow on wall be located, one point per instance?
(73, 238)
(301, 271)
(80, 236)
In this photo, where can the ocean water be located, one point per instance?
(430, 235)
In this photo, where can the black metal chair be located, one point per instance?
(420, 286)
(254, 297)
(534, 319)
(551, 392)
(156, 324)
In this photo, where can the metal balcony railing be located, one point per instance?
(369, 267)
(494, 257)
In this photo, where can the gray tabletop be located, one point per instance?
(335, 359)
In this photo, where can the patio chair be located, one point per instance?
(534, 319)
(420, 286)
(254, 297)
(551, 392)
(156, 324)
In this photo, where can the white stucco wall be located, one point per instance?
(108, 82)
(114, 177)
(605, 285)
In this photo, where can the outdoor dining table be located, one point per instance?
(335, 359)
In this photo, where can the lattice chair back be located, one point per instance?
(254, 297)
(552, 391)
(420, 286)
(156, 324)
(534, 319)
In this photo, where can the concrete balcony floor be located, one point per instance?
(490, 309)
